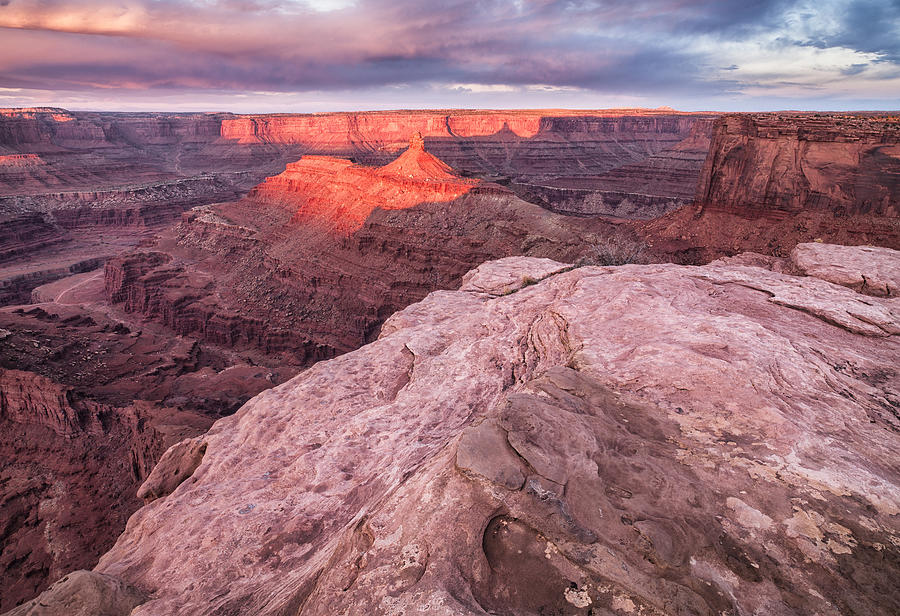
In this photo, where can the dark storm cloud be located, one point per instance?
(616, 46)
(869, 26)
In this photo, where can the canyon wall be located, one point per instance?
(27, 233)
(315, 258)
(775, 179)
(88, 402)
(70, 472)
(79, 149)
(779, 164)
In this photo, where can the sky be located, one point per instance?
(263, 56)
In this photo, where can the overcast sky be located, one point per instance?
(320, 55)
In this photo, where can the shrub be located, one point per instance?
(617, 249)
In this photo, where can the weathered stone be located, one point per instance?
(177, 464)
(83, 593)
(867, 269)
(505, 276)
(693, 447)
(483, 449)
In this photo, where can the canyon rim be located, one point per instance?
(339, 307)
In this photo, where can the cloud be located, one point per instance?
(632, 48)
(854, 69)
(870, 26)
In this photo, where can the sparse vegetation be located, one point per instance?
(616, 249)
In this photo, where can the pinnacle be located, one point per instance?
(417, 141)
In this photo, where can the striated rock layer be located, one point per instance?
(545, 147)
(650, 439)
(777, 164)
(314, 259)
(71, 468)
(773, 180)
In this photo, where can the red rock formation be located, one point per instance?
(316, 257)
(337, 195)
(71, 467)
(643, 439)
(134, 172)
(865, 269)
(776, 164)
(311, 264)
(87, 405)
(773, 180)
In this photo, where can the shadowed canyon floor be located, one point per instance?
(652, 439)
(146, 293)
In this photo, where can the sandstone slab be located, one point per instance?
(868, 269)
(689, 446)
(84, 593)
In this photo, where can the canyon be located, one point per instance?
(654, 439)
(62, 170)
(158, 271)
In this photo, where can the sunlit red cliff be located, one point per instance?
(159, 270)
(340, 195)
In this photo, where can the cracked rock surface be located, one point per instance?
(651, 439)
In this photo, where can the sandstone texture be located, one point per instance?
(867, 269)
(652, 439)
(773, 180)
(84, 593)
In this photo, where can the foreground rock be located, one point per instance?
(867, 269)
(84, 593)
(642, 439)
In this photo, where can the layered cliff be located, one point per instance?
(20, 235)
(774, 165)
(773, 180)
(313, 260)
(520, 147)
(68, 481)
(643, 439)
(586, 163)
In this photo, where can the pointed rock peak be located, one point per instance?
(417, 141)
(417, 164)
